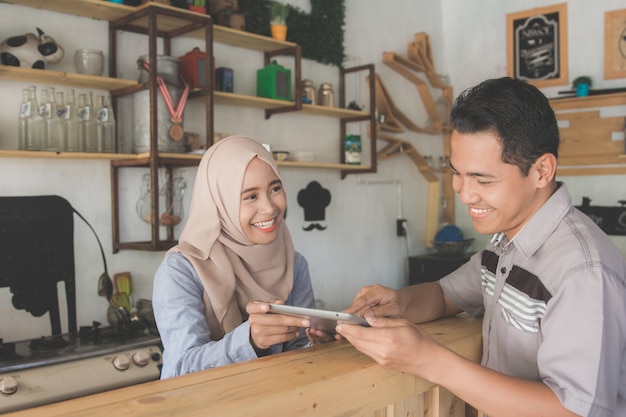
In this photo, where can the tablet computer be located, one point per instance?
(325, 320)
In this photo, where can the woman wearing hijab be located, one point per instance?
(234, 249)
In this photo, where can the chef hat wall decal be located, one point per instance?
(314, 199)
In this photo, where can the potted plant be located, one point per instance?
(581, 85)
(278, 20)
(198, 6)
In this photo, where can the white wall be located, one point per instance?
(360, 246)
(475, 49)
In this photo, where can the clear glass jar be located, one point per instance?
(170, 214)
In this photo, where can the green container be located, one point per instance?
(274, 81)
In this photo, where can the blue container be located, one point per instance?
(582, 90)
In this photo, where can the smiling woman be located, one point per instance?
(235, 249)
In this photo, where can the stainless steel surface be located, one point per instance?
(326, 95)
(309, 90)
(55, 368)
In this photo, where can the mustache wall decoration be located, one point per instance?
(313, 226)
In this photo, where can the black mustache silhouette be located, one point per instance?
(314, 226)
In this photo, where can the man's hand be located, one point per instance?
(393, 343)
(379, 301)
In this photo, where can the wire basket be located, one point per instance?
(452, 248)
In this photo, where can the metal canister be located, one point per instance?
(308, 89)
(327, 95)
(167, 67)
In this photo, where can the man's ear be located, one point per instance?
(545, 169)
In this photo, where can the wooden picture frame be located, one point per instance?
(615, 44)
(536, 42)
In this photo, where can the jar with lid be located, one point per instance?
(308, 92)
(326, 95)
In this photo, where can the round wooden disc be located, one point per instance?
(176, 132)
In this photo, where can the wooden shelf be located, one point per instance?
(64, 155)
(233, 37)
(242, 100)
(179, 159)
(598, 100)
(108, 11)
(96, 9)
(587, 144)
(63, 78)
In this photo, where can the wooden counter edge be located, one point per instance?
(308, 381)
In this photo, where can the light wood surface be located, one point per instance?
(328, 380)
(587, 143)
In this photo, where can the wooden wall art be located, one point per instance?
(615, 44)
(536, 45)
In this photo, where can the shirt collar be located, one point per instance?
(535, 232)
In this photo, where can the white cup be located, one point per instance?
(89, 61)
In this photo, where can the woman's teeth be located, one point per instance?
(264, 225)
(480, 211)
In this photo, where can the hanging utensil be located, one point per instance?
(105, 286)
(123, 289)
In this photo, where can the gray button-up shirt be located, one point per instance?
(554, 305)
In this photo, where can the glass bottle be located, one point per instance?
(105, 125)
(70, 119)
(48, 111)
(34, 123)
(60, 120)
(45, 112)
(88, 134)
(22, 121)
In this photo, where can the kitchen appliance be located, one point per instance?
(36, 255)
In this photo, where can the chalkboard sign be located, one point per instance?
(37, 252)
(537, 45)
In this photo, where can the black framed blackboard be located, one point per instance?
(537, 45)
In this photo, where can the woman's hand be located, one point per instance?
(271, 329)
(317, 337)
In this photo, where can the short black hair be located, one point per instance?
(516, 112)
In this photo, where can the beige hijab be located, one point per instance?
(233, 270)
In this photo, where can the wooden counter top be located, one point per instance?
(328, 380)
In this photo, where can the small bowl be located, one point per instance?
(280, 155)
(89, 61)
(303, 156)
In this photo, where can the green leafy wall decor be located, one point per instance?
(320, 33)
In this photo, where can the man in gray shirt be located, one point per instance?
(550, 283)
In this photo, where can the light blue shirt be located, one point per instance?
(179, 313)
